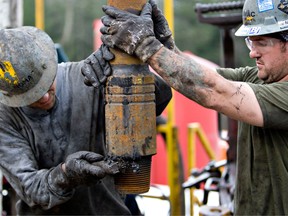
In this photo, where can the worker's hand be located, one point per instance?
(96, 67)
(85, 167)
(161, 27)
(130, 33)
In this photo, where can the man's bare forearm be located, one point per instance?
(183, 74)
(206, 87)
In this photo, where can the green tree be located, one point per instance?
(69, 22)
(204, 39)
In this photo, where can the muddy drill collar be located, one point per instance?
(130, 115)
(28, 65)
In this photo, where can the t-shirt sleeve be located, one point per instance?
(242, 74)
(273, 101)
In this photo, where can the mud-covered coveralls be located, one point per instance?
(35, 142)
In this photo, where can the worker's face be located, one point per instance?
(271, 58)
(48, 100)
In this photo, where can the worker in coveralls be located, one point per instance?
(255, 96)
(52, 129)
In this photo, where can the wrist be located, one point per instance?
(147, 48)
(169, 43)
(58, 182)
(63, 167)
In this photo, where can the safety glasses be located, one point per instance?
(260, 44)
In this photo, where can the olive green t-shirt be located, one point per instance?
(262, 152)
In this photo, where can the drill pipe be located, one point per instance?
(130, 115)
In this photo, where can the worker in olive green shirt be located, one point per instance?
(255, 96)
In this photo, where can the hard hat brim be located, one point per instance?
(245, 31)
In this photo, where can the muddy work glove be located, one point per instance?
(96, 67)
(80, 168)
(86, 168)
(161, 27)
(130, 33)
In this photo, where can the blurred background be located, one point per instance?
(183, 163)
(70, 23)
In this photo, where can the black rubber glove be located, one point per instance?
(96, 67)
(130, 33)
(161, 27)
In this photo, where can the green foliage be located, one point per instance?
(204, 39)
(29, 12)
(193, 36)
(70, 22)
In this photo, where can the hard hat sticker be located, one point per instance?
(283, 24)
(254, 30)
(283, 6)
(265, 5)
(244, 30)
(7, 73)
(249, 17)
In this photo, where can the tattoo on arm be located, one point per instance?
(182, 74)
